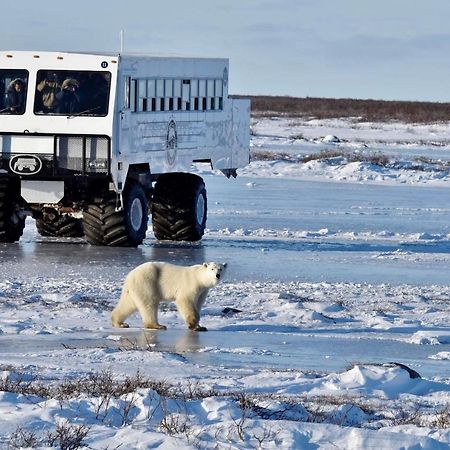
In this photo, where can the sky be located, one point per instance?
(384, 49)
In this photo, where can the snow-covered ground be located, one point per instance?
(406, 146)
(313, 359)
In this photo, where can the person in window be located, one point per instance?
(48, 88)
(15, 96)
(68, 99)
(94, 88)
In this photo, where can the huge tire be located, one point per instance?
(62, 226)
(179, 207)
(105, 225)
(11, 225)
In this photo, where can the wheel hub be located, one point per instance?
(136, 214)
(200, 209)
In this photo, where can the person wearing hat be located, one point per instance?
(48, 88)
(15, 96)
(68, 98)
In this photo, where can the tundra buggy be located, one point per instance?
(90, 144)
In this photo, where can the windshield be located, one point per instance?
(73, 93)
(13, 91)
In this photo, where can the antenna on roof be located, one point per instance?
(121, 41)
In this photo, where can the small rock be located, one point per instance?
(230, 311)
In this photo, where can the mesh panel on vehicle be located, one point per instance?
(69, 151)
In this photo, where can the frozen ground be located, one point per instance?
(338, 275)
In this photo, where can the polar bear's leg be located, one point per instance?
(191, 315)
(146, 298)
(149, 313)
(124, 308)
(201, 300)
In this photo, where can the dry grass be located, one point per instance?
(169, 411)
(363, 110)
(376, 158)
(66, 436)
(103, 384)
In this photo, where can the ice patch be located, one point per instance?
(238, 351)
(396, 254)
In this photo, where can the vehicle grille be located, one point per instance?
(83, 153)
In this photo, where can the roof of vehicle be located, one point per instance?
(106, 54)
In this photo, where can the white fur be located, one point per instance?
(150, 283)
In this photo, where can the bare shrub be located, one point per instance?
(405, 416)
(442, 418)
(240, 425)
(177, 422)
(324, 154)
(265, 155)
(193, 390)
(174, 423)
(243, 428)
(420, 163)
(378, 159)
(22, 438)
(246, 406)
(266, 435)
(128, 406)
(24, 384)
(68, 436)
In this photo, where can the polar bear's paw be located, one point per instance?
(120, 325)
(155, 326)
(198, 328)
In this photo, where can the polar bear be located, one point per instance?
(152, 282)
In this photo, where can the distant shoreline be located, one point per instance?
(359, 109)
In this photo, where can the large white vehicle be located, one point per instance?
(90, 143)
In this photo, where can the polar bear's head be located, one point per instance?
(213, 273)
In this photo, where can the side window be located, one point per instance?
(126, 92)
(194, 95)
(133, 95)
(159, 95)
(13, 91)
(185, 94)
(210, 94)
(218, 91)
(142, 95)
(202, 94)
(151, 95)
(130, 100)
(74, 92)
(170, 94)
(176, 95)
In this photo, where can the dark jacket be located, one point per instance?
(68, 102)
(15, 100)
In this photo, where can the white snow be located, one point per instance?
(403, 144)
(64, 369)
